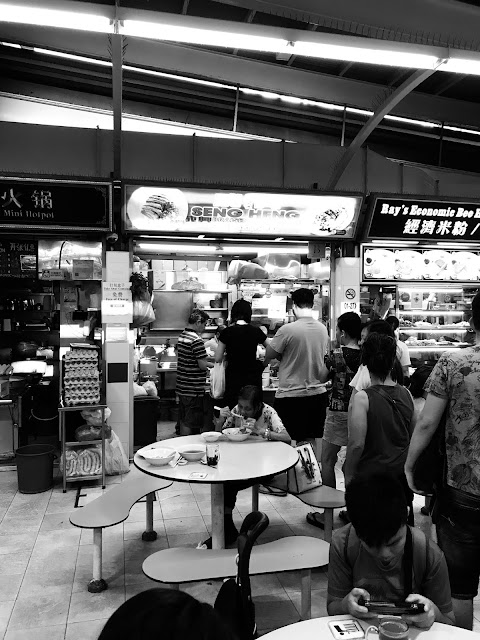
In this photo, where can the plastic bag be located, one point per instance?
(82, 462)
(138, 390)
(91, 432)
(116, 461)
(217, 380)
(94, 416)
(143, 313)
(150, 388)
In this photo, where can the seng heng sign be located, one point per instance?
(55, 205)
(418, 219)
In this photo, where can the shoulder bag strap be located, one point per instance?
(408, 564)
(392, 403)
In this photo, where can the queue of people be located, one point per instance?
(356, 397)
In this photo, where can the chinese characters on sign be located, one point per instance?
(26, 204)
(424, 219)
(117, 306)
(18, 259)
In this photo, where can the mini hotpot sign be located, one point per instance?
(163, 209)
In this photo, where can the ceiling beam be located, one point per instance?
(452, 81)
(310, 27)
(246, 72)
(345, 69)
(248, 18)
(416, 78)
(185, 7)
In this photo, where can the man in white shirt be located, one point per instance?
(301, 346)
(403, 353)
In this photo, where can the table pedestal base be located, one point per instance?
(218, 513)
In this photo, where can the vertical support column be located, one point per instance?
(97, 583)
(344, 123)
(117, 79)
(306, 597)
(149, 534)
(255, 497)
(235, 113)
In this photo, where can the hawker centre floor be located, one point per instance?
(46, 563)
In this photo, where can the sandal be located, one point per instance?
(316, 519)
(273, 491)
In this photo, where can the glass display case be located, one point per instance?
(434, 318)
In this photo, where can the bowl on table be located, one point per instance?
(235, 435)
(211, 436)
(158, 456)
(192, 452)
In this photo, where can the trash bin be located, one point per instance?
(35, 468)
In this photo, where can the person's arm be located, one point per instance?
(224, 420)
(220, 351)
(357, 432)
(430, 615)
(204, 363)
(270, 354)
(424, 429)
(349, 604)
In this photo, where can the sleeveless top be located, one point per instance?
(389, 420)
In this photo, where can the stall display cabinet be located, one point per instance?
(434, 319)
(66, 445)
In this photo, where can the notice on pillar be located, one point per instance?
(117, 306)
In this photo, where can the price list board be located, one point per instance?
(18, 259)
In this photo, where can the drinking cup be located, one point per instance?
(389, 629)
(213, 454)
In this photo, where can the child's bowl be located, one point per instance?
(235, 435)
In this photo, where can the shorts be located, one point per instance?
(304, 416)
(194, 414)
(457, 517)
(336, 428)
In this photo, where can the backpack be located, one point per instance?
(234, 600)
(414, 565)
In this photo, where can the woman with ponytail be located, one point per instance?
(381, 422)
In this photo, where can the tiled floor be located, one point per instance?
(45, 563)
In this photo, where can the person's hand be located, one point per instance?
(423, 620)
(353, 607)
(411, 483)
(225, 413)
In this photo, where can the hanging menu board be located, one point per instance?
(18, 259)
(58, 204)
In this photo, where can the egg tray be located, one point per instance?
(71, 401)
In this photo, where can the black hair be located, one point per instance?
(350, 323)
(241, 310)
(253, 394)
(377, 507)
(476, 312)
(379, 353)
(393, 321)
(418, 379)
(219, 329)
(380, 326)
(198, 316)
(166, 613)
(303, 298)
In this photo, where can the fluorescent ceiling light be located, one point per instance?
(461, 130)
(206, 37)
(55, 18)
(72, 56)
(352, 53)
(171, 76)
(462, 65)
(392, 243)
(162, 247)
(13, 45)
(418, 123)
(262, 249)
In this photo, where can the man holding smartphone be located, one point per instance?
(378, 557)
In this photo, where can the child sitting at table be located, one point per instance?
(268, 426)
(379, 557)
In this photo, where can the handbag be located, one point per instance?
(217, 380)
(305, 475)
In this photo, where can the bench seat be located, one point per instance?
(293, 553)
(113, 507)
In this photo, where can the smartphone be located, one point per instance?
(393, 608)
(346, 629)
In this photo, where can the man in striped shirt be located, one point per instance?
(191, 374)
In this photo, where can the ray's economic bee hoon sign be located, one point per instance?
(418, 219)
(47, 205)
(196, 210)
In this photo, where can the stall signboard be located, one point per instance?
(434, 265)
(424, 219)
(48, 205)
(18, 259)
(225, 212)
(117, 306)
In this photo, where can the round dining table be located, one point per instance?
(251, 459)
(318, 629)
